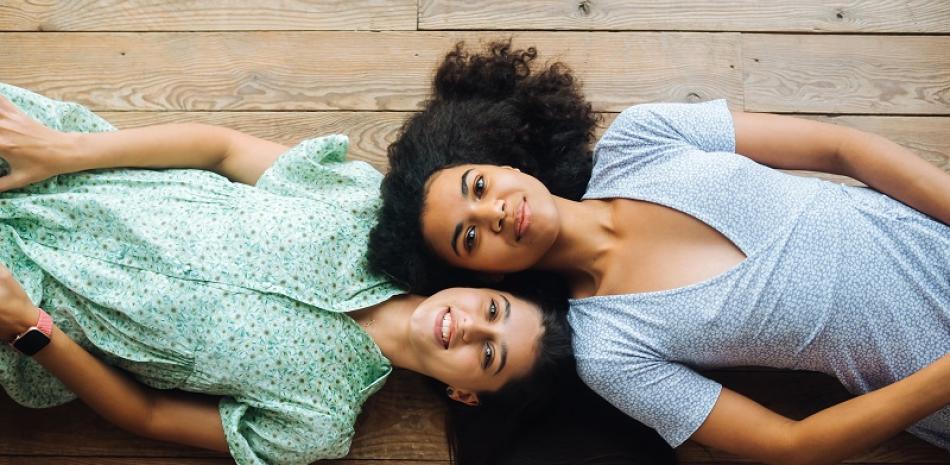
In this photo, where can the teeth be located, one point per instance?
(446, 323)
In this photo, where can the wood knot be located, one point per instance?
(839, 14)
(584, 7)
(693, 97)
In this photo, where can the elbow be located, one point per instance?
(796, 450)
(143, 421)
(842, 160)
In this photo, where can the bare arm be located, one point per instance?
(36, 152)
(740, 426)
(177, 417)
(792, 143)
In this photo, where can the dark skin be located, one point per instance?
(620, 246)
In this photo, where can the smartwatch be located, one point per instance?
(37, 337)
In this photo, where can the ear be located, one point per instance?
(460, 395)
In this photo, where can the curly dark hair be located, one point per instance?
(487, 108)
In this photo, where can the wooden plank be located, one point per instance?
(800, 395)
(205, 15)
(369, 132)
(928, 137)
(344, 70)
(903, 16)
(401, 422)
(59, 460)
(846, 74)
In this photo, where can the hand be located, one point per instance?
(17, 312)
(32, 152)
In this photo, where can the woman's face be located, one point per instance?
(475, 340)
(489, 218)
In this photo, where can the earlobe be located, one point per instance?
(460, 395)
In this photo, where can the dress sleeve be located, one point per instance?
(666, 396)
(317, 169)
(644, 132)
(282, 434)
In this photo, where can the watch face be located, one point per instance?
(31, 342)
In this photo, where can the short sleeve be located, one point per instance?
(282, 434)
(668, 397)
(317, 169)
(647, 131)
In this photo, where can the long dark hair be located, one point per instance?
(548, 416)
(494, 108)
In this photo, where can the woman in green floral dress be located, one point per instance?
(243, 280)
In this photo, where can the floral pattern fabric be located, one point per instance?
(189, 281)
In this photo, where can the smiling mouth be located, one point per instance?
(444, 328)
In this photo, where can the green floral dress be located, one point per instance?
(189, 281)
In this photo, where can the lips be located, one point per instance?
(444, 328)
(522, 219)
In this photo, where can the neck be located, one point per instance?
(585, 235)
(388, 324)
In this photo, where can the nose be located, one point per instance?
(474, 329)
(492, 214)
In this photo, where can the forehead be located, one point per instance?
(441, 210)
(446, 178)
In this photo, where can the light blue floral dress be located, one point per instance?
(190, 281)
(837, 279)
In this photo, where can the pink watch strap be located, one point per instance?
(45, 323)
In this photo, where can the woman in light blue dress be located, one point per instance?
(683, 251)
(254, 293)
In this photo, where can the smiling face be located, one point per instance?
(475, 340)
(489, 218)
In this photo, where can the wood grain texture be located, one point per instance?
(402, 422)
(345, 70)
(402, 425)
(846, 74)
(802, 394)
(60, 460)
(904, 16)
(369, 132)
(206, 15)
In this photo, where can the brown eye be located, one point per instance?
(492, 311)
(470, 238)
(479, 187)
(489, 353)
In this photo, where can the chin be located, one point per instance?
(418, 326)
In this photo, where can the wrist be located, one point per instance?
(68, 151)
(29, 320)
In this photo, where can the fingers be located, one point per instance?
(12, 181)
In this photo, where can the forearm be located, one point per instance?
(189, 145)
(897, 172)
(106, 390)
(863, 422)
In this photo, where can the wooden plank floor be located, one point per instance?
(295, 69)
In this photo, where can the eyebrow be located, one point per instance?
(464, 186)
(504, 347)
(458, 227)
